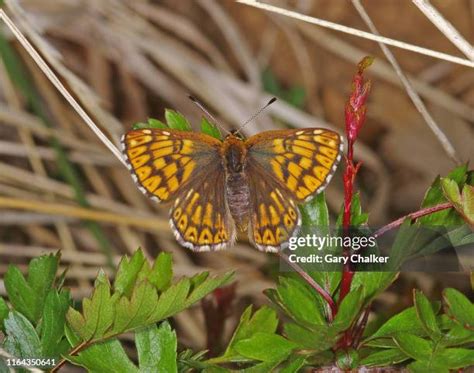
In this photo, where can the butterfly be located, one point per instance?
(215, 186)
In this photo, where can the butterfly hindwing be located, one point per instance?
(200, 218)
(302, 161)
(274, 216)
(163, 161)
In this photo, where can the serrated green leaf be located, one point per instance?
(134, 312)
(52, 324)
(199, 289)
(105, 357)
(21, 295)
(459, 306)
(156, 347)
(22, 341)
(265, 347)
(162, 271)
(172, 300)
(210, 129)
(425, 314)
(28, 295)
(415, 347)
(176, 120)
(97, 313)
(128, 271)
(349, 309)
(3, 313)
(385, 357)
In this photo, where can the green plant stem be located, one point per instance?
(74, 351)
(414, 215)
(326, 296)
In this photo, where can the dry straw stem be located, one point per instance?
(359, 33)
(87, 96)
(383, 70)
(445, 27)
(420, 106)
(148, 224)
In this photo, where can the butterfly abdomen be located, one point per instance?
(238, 198)
(237, 186)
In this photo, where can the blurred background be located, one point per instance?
(126, 61)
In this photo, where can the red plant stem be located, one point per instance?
(414, 215)
(327, 297)
(359, 330)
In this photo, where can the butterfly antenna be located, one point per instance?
(207, 113)
(272, 100)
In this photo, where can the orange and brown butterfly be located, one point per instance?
(214, 186)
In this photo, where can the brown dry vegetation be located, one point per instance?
(128, 60)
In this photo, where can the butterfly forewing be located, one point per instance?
(302, 161)
(162, 162)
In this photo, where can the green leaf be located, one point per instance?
(468, 203)
(3, 313)
(372, 283)
(315, 213)
(210, 129)
(459, 306)
(316, 339)
(22, 341)
(295, 365)
(176, 120)
(457, 335)
(263, 320)
(403, 322)
(53, 321)
(415, 347)
(425, 314)
(435, 195)
(427, 366)
(128, 271)
(162, 271)
(28, 296)
(155, 123)
(134, 312)
(455, 358)
(156, 349)
(451, 190)
(349, 309)
(385, 357)
(300, 302)
(265, 347)
(105, 357)
(98, 313)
